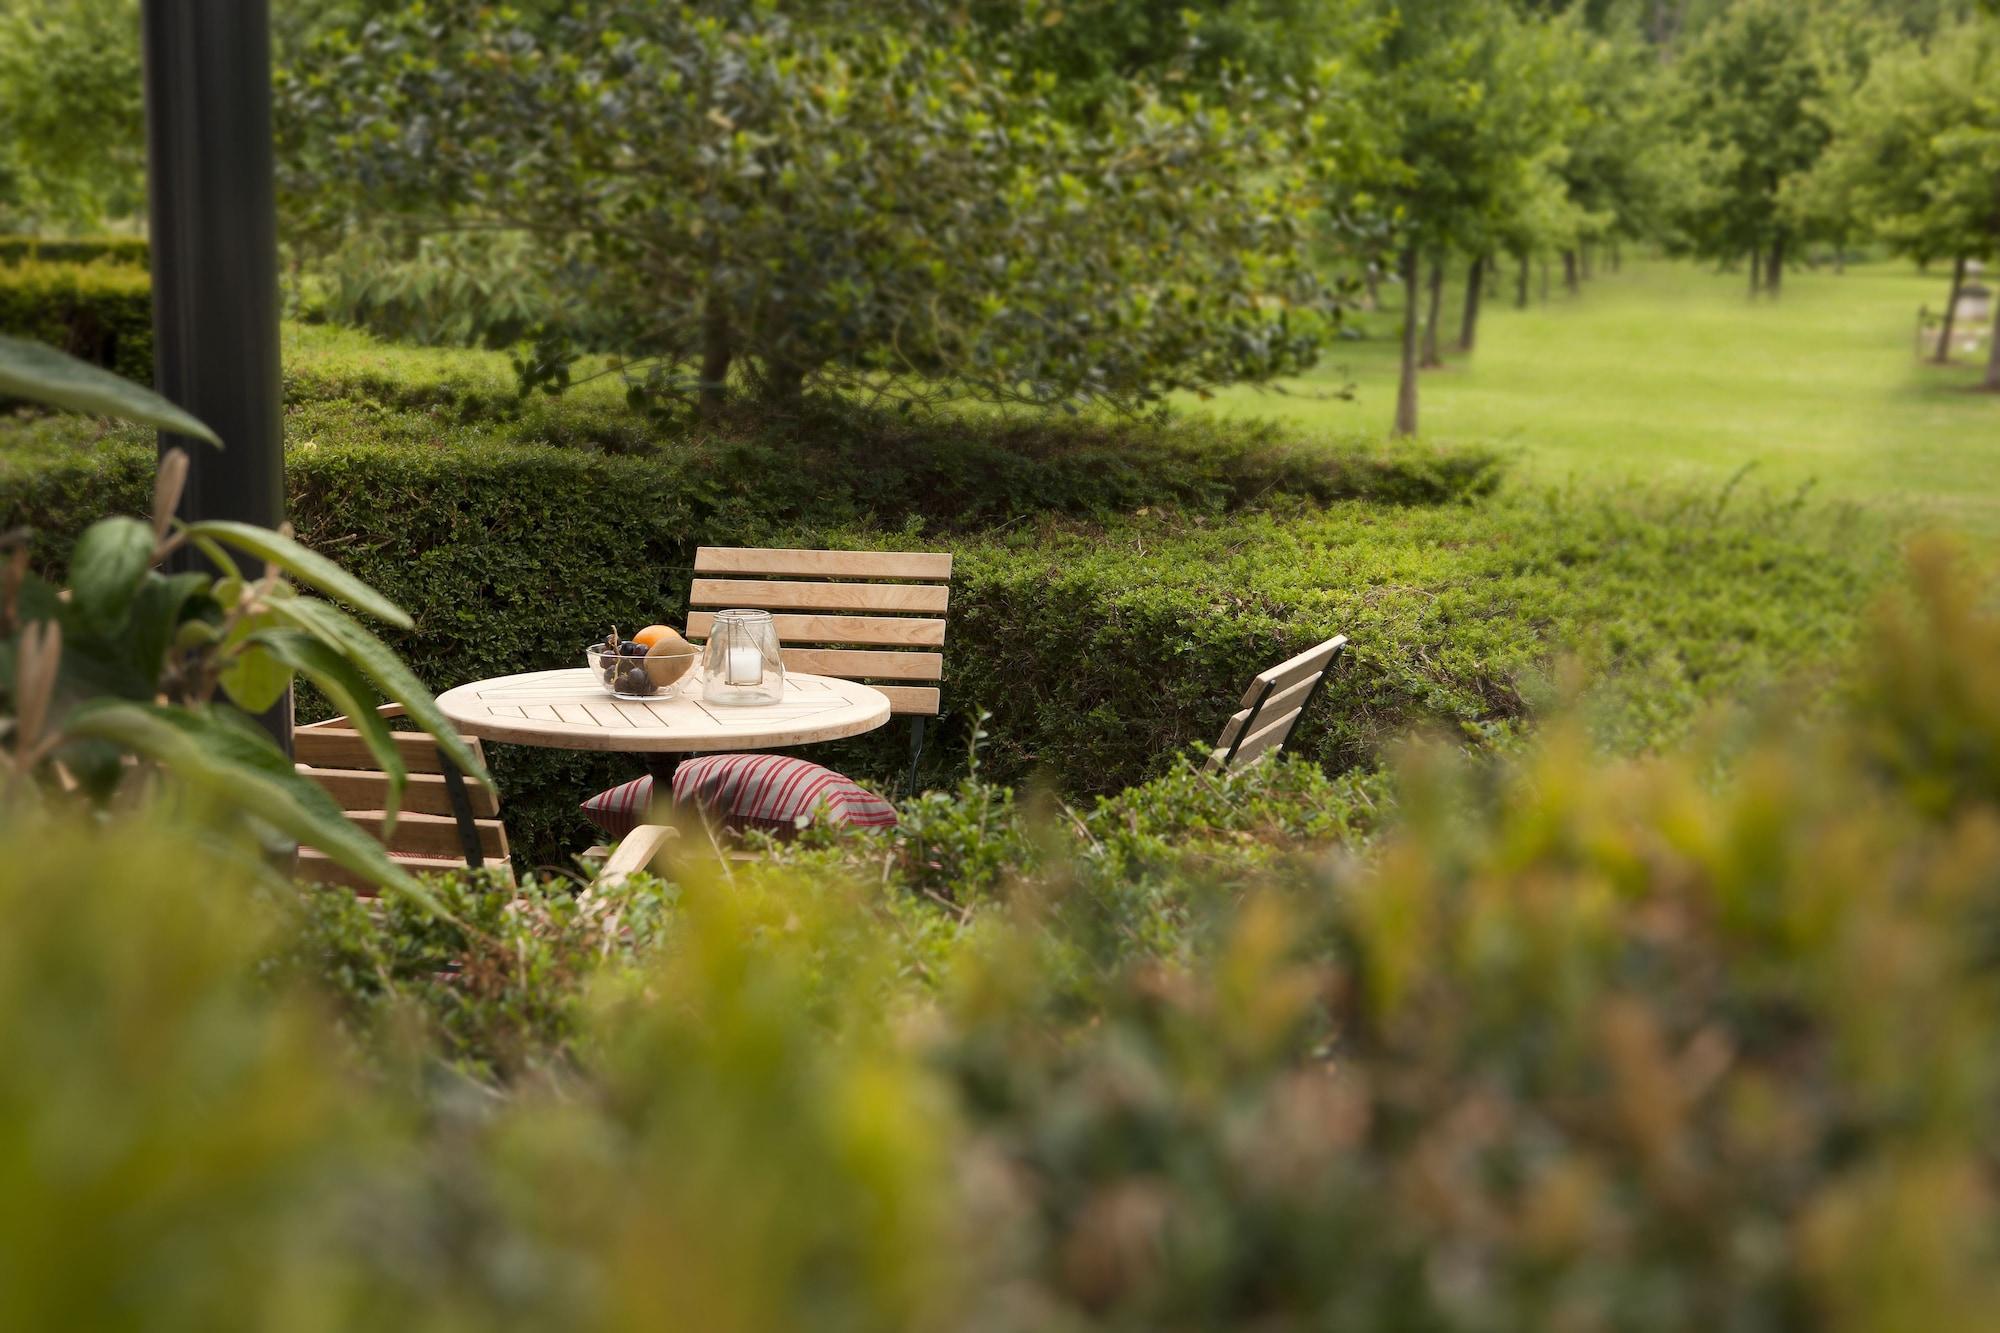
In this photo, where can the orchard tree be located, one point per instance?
(1465, 103)
(819, 196)
(1754, 86)
(1918, 151)
(1626, 172)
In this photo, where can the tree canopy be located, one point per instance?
(811, 200)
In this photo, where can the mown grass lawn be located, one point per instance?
(1666, 372)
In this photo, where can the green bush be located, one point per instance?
(100, 313)
(1623, 1045)
(133, 250)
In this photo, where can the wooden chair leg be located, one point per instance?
(916, 752)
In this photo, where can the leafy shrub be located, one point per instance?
(123, 250)
(100, 313)
(1578, 1043)
(453, 290)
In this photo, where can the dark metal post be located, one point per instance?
(215, 254)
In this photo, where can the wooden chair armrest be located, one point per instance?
(386, 710)
(634, 853)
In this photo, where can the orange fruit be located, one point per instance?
(652, 634)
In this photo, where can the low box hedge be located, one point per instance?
(1099, 645)
(133, 250)
(102, 313)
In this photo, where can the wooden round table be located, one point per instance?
(569, 710)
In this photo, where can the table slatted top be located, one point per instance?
(569, 710)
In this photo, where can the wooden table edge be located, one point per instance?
(607, 741)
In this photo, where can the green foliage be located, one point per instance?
(442, 291)
(75, 249)
(1578, 1043)
(1102, 649)
(100, 313)
(833, 195)
(72, 128)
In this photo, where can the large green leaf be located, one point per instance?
(352, 695)
(156, 613)
(105, 570)
(306, 566)
(348, 637)
(41, 374)
(255, 679)
(217, 760)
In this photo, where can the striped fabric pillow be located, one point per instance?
(622, 808)
(771, 792)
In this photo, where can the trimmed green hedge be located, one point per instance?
(102, 313)
(134, 250)
(1100, 646)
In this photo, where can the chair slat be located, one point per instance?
(856, 664)
(355, 789)
(343, 747)
(911, 700)
(824, 564)
(1292, 696)
(1293, 669)
(431, 835)
(315, 868)
(795, 596)
(881, 631)
(1268, 736)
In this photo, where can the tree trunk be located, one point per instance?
(1586, 257)
(1432, 359)
(1406, 388)
(716, 353)
(1569, 272)
(1521, 288)
(1774, 273)
(1475, 288)
(1943, 355)
(1373, 281)
(1545, 279)
(1992, 381)
(1756, 272)
(783, 383)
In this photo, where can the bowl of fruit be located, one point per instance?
(655, 663)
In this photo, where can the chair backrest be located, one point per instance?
(1273, 703)
(874, 616)
(436, 828)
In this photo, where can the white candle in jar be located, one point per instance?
(746, 665)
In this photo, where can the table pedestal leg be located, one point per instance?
(662, 767)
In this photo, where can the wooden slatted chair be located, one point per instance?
(873, 616)
(1273, 704)
(448, 820)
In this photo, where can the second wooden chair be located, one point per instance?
(1273, 704)
(872, 616)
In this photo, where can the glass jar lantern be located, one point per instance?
(742, 664)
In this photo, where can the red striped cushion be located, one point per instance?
(777, 793)
(622, 808)
(763, 791)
